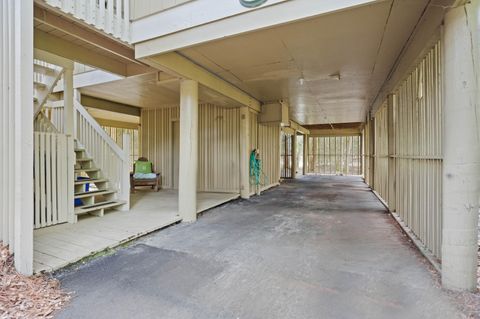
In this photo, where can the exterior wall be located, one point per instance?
(16, 130)
(368, 147)
(143, 8)
(219, 150)
(269, 146)
(381, 152)
(156, 135)
(417, 126)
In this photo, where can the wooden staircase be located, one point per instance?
(95, 187)
(45, 77)
(99, 195)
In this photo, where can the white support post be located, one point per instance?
(187, 184)
(21, 19)
(244, 152)
(305, 154)
(125, 191)
(294, 154)
(68, 101)
(461, 163)
(391, 151)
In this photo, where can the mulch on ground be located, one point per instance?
(22, 296)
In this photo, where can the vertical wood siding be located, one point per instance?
(418, 154)
(418, 125)
(269, 146)
(218, 145)
(218, 149)
(381, 152)
(156, 136)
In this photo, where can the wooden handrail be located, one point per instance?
(113, 145)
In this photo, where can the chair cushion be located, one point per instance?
(143, 167)
(144, 176)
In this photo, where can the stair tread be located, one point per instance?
(106, 204)
(90, 180)
(79, 149)
(91, 169)
(43, 67)
(37, 83)
(85, 159)
(94, 193)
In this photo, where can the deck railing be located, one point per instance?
(110, 16)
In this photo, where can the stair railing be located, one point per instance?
(105, 152)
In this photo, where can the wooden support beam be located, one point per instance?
(181, 67)
(69, 50)
(294, 125)
(335, 132)
(119, 124)
(93, 102)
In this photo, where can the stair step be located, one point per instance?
(79, 149)
(102, 205)
(94, 193)
(92, 169)
(84, 159)
(90, 180)
(40, 68)
(40, 84)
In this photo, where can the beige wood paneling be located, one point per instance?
(418, 120)
(218, 148)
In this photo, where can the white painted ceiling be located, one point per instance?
(147, 92)
(360, 44)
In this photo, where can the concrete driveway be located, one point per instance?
(317, 247)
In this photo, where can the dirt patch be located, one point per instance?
(27, 296)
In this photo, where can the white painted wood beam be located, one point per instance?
(89, 78)
(174, 63)
(90, 101)
(175, 29)
(69, 50)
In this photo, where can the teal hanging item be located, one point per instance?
(256, 172)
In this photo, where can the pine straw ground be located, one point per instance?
(27, 297)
